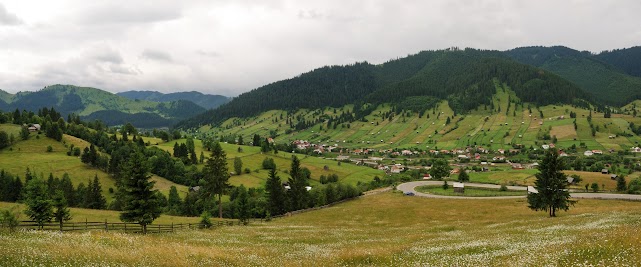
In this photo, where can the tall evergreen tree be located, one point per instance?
(61, 214)
(256, 140)
(174, 203)
(297, 193)
(39, 207)
(140, 202)
(238, 166)
(98, 201)
(242, 207)
(216, 176)
(551, 184)
(275, 194)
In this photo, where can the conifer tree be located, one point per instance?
(551, 184)
(275, 194)
(61, 214)
(39, 207)
(140, 202)
(297, 193)
(216, 176)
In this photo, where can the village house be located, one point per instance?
(605, 171)
(598, 152)
(34, 127)
(502, 151)
(588, 153)
(635, 149)
(546, 147)
(397, 168)
(342, 157)
(406, 152)
(427, 176)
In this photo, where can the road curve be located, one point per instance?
(410, 187)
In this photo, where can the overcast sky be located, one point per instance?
(232, 46)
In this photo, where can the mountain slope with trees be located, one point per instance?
(92, 103)
(206, 101)
(608, 83)
(628, 60)
(462, 76)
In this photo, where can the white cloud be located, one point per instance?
(234, 46)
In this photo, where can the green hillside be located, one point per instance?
(607, 83)
(32, 154)
(508, 123)
(204, 100)
(462, 76)
(627, 60)
(91, 103)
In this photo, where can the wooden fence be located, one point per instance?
(119, 226)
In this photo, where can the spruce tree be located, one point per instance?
(551, 184)
(297, 193)
(140, 203)
(242, 207)
(621, 185)
(174, 203)
(275, 194)
(39, 207)
(238, 166)
(61, 214)
(216, 176)
(98, 201)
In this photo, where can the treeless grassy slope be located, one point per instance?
(387, 229)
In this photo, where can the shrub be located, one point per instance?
(445, 185)
(503, 188)
(8, 219)
(595, 187)
(49, 148)
(205, 220)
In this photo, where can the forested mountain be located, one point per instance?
(5, 97)
(86, 101)
(628, 60)
(204, 100)
(462, 76)
(607, 83)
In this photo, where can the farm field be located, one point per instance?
(386, 229)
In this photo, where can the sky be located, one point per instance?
(232, 46)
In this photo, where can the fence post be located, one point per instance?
(85, 223)
(125, 227)
(106, 226)
(172, 227)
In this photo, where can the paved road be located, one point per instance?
(409, 187)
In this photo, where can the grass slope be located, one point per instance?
(32, 154)
(494, 129)
(380, 230)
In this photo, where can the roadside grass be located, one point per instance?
(386, 229)
(508, 177)
(468, 192)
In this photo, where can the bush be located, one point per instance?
(8, 219)
(205, 220)
(445, 185)
(247, 170)
(49, 148)
(503, 188)
(595, 187)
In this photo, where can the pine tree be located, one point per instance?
(238, 166)
(39, 207)
(275, 194)
(216, 176)
(61, 214)
(551, 184)
(242, 204)
(98, 201)
(297, 193)
(140, 203)
(174, 202)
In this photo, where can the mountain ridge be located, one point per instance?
(206, 101)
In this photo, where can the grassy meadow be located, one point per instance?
(252, 158)
(386, 229)
(469, 191)
(32, 154)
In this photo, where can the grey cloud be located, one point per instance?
(7, 18)
(131, 12)
(208, 53)
(120, 69)
(156, 55)
(108, 55)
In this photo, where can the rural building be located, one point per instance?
(532, 190)
(613, 176)
(635, 149)
(194, 189)
(588, 153)
(459, 188)
(570, 180)
(605, 171)
(427, 176)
